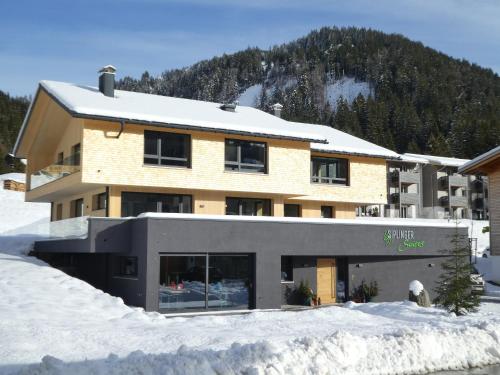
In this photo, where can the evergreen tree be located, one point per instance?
(454, 290)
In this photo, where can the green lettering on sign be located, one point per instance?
(406, 239)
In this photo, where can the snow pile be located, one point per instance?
(347, 88)
(416, 287)
(20, 222)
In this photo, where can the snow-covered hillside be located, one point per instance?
(51, 323)
(346, 88)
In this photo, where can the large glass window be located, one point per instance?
(245, 156)
(182, 282)
(75, 154)
(248, 206)
(329, 171)
(134, 204)
(161, 148)
(187, 283)
(286, 268)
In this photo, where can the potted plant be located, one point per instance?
(365, 292)
(305, 294)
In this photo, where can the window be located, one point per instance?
(126, 266)
(292, 210)
(99, 201)
(286, 268)
(329, 171)
(162, 148)
(404, 189)
(134, 204)
(75, 154)
(60, 158)
(205, 281)
(248, 206)
(245, 156)
(77, 208)
(327, 212)
(59, 211)
(404, 211)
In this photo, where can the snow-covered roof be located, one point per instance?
(437, 160)
(18, 177)
(344, 143)
(157, 109)
(479, 160)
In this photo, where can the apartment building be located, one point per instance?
(192, 205)
(427, 186)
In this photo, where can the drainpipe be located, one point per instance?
(122, 125)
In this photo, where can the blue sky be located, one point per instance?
(69, 40)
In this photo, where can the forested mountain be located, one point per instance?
(384, 88)
(12, 111)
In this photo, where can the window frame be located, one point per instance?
(96, 201)
(298, 206)
(74, 204)
(158, 156)
(239, 164)
(332, 212)
(240, 205)
(157, 201)
(76, 151)
(330, 180)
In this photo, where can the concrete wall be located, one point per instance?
(393, 274)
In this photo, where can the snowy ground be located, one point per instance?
(51, 323)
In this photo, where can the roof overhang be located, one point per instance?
(482, 163)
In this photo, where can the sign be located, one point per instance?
(403, 239)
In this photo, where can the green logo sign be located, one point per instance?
(403, 238)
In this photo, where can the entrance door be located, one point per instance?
(326, 277)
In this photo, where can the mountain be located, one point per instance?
(384, 88)
(12, 111)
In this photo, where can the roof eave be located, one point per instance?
(379, 156)
(27, 118)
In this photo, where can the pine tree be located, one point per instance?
(454, 290)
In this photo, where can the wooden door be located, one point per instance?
(326, 280)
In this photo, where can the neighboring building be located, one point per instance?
(488, 164)
(427, 186)
(114, 155)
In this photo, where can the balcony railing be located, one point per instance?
(454, 180)
(406, 177)
(55, 171)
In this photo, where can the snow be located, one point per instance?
(250, 96)
(134, 106)
(437, 160)
(347, 88)
(18, 177)
(416, 287)
(344, 143)
(357, 221)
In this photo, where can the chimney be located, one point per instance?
(107, 80)
(277, 109)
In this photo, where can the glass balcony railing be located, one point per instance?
(55, 171)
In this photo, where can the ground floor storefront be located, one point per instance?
(175, 262)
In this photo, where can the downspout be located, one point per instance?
(122, 125)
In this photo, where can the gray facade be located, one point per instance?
(370, 252)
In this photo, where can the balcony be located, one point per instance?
(55, 171)
(455, 180)
(405, 198)
(456, 201)
(406, 177)
(478, 204)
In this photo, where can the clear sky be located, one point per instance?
(69, 40)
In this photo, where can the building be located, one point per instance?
(427, 186)
(167, 183)
(488, 164)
